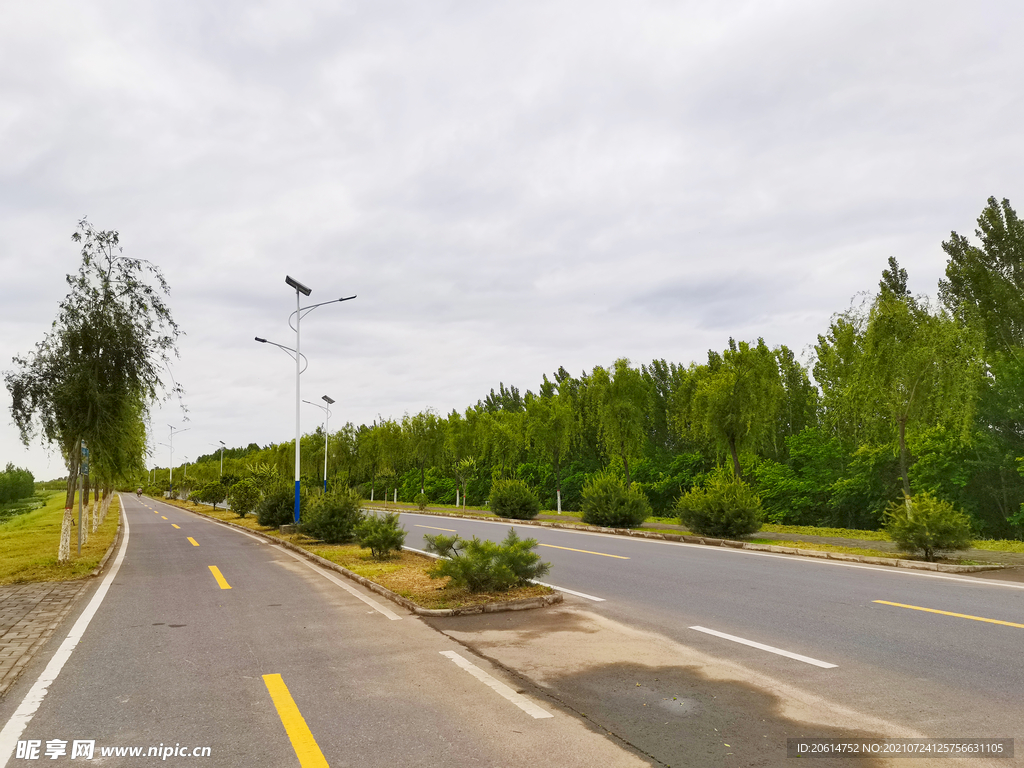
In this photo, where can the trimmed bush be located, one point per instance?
(927, 525)
(421, 500)
(211, 493)
(333, 517)
(724, 508)
(483, 566)
(514, 499)
(608, 503)
(277, 508)
(381, 535)
(243, 497)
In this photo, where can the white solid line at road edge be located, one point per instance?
(770, 649)
(551, 586)
(499, 687)
(34, 698)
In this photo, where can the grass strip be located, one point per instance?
(29, 542)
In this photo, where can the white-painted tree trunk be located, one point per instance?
(396, 495)
(371, 493)
(456, 498)
(558, 493)
(64, 550)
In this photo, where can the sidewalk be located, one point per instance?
(29, 615)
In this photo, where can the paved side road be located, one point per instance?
(29, 615)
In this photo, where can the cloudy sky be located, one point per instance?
(507, 186)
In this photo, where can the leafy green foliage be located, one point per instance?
(609, 503)
(514, 499)
(484, 566)
(211, 493)
(278, 508)
(724, 507)
(243, 497)
(733, 400)
(333, 517)
(381, 535)
(16, 483)
(422, 500)
(928, 525)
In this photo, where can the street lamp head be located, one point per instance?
(327, 400)
(261, 341)
(297, 285)
(221, 442)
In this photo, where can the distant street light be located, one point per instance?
(298, 314)
(174, 429)
(221, 455)
(327, 410)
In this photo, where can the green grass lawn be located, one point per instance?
(28, 544)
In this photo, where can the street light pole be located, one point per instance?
(297, 354)
(171, 446)
(327, 421)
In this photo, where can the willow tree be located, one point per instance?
(551, 428)
(919, 367)
(99, 370)
(734, 400)
(621, 399)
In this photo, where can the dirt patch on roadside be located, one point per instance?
(675, 704)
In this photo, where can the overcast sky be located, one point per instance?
(507, 186)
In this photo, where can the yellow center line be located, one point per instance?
(175, 526)
(452, 530)
(219, 576)
(948, 613)
(585, 551)
(162, 517)
(305, 746)
(194, 542)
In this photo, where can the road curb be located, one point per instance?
(117, 538)
(711, 542)
(470, 610)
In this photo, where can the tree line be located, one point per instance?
(901, 394)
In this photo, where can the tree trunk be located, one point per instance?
(625, 464)
(558, 485)
(737, 474)
(903, 457)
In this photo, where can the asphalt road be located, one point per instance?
(914, 664)
(209, 637)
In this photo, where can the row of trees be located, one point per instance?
(15, 484)
(92, 379)
(901, 394)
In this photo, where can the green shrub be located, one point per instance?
(277, 508)
(381, 535)
(421, 500)
(723, 507)
(333, 517)
(607, 502)
(483, 566)
(243, 497)
(513, 498)
(211, 493)
(926, 524)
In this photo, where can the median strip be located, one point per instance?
(769, 648)
(499, 687)
(219, 576)
(949, 613)
(305, 746)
